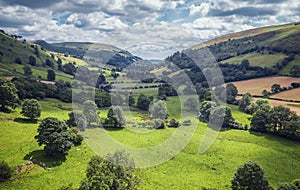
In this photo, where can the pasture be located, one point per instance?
(187, 170)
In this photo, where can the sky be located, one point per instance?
(151, 29)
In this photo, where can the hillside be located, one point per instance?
(94, 54)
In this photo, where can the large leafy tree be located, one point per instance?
(205, 109)
(115, 172)
(115, 115)
(158, 110)
(8, 93)
(31, 108)
(143, 102)
(90, 112)
(245, 101)
(259, 121)
(222, 115)
(231, 92)
(250, 176)
(54, 135)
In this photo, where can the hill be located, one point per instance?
(246, 55)
(95, 54)
(15, 54)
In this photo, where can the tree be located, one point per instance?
(245, 64)
(113, 172)
(8, 93)
(54, 135)
(287, 186)
(5, 171)
(31, 60)
(51, 75)
(259, 121)
(131, 101)
(275, 88)
(263, 104)
(205, 109)
(18, 60)
(245, 101)
(31, 108)
(27, 70)
(231, 92)
(115, 114)
(250, 176)
(158, 110)
(143, 102)
(222, 115)
(265, 93)
(90, 111)
(77, 119)
(252, 108)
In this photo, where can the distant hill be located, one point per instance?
(94, 54)
(260, 52)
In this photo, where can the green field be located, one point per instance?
(187, 170)
(257, 59)
(286, 69)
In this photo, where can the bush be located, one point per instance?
(77, 138)
(173, 123)
(5, 171)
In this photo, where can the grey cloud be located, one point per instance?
(244, 11)
(31, 3)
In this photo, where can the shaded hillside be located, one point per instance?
(249, 54)
(95, 54)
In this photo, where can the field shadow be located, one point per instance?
(38, 157)
(25, 120)
(277, 138)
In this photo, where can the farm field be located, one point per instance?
(257, 59)
(293, 94)
(256, 86)
(214, 168)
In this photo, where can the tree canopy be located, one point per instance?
(31, 108)
(54, 135)
(8, 93)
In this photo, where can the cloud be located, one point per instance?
(244, 11)
(150, 28)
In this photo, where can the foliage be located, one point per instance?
(90, 112)
(77, 119)
(51, 75)
(27, 70)
(116, 116)
(205, 110)
(222, 115)
(158, 110)
(8, 94)
(67, 187)
(278, 120)
(5, 171)
(54, 135)
(287, 186)
(250, 176)
(231, 92)
(245, 101)
(143, 102)
(113, 172)
(31, 108)
(173, 123)
(76, 137)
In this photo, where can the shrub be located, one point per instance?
(5, 171)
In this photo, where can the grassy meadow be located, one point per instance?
(187, 170)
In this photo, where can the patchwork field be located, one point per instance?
(256, 86)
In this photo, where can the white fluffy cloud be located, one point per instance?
(148, 28)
